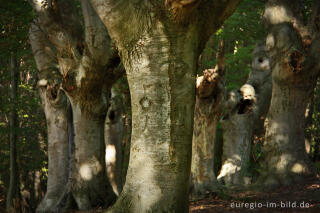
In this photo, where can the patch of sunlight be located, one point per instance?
(89, 169)
(85, 172)
(277, 14)
(297, 168)
(110, 154)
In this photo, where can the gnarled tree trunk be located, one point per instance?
(159, 46)
(246, 121)
(55, 106)
(237, 138)
(86, 62)
(295, 67)
(208, 109)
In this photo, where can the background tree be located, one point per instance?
(210, 99)
(13, 191)
(293, 48)
(246, 121)
(31, 159)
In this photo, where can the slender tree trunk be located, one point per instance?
(208, 109)
(202, 168)
(114, 134)
(13, 193)
(295, 68)
(246, 121)
(55, 106)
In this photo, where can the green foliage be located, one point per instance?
(240, 33)
(15, 19)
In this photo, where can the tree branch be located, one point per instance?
(212, 81)
(44, 55)
(59, 20)
(96, 36)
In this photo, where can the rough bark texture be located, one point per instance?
(294, 53)
(237, 137)
(246, 121)
(261, 80)
(159, 49)
(13, 193)
(55, 106)
(86, 62)
(114, 134)
(208, 109)
(56, 111)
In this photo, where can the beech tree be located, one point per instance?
(87, 63)
(246, 120)
(210, 99)
(55, 106)
(293, 47)
(159, 43)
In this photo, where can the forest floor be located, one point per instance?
(304, 197)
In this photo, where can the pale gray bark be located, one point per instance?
(159, 46)
(237, 138)
(246, 120)
(56, 111)
(13, 194)
(55, 106)
(87, 64)
(114, 134)
(293, 50)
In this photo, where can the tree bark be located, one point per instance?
(55, 106)
(295, 68)
(208, 109)
(13, 193)
(87, 64)
(56, 111)
(246, 121)
(159, 48)
(114, 134)
(237, 139)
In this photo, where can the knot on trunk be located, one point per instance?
(145, 103)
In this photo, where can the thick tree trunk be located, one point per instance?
(159, 44)
(56, 111)
(13, 193)
(87, 64)
(114, 134)
(162, 123)
(295, 68)
(284, 150)
(90, 186)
